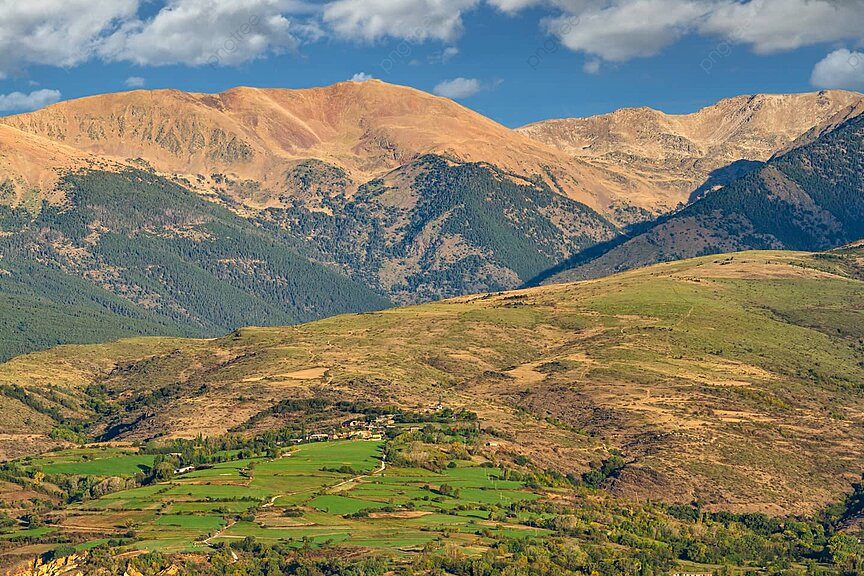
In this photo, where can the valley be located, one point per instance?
(677, 366)
(363, 329)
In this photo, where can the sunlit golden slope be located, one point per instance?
(672, 155)
(620, 164)
(30, 166)
(366, 128)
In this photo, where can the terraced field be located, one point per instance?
(293, 498)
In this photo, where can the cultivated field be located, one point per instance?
(292, 498)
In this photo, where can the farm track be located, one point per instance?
(221, 533)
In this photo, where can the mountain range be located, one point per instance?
(163, 212)
(363, 329)
(806, 197)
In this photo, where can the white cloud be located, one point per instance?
(571, 6)
(458, 88)
(778, 25)
(627, 29)
(56, 32)
(134, 82)
(619, 30)
(215, 32)
(592, 66)
(449, 53)
(840, 69)
(413, 20)
(442, 56)
(20, 102)
(231, 32)
(511, 6)
(361, 77)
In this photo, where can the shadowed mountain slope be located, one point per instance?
(808, 198)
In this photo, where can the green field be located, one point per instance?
(93, 462)
(393, 508)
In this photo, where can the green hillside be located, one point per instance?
(733, 379)
(132, 253)
(458, 228)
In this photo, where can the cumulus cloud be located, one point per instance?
(628, 28)
(199, 32)
(619, 30)
(413, 20)
(458, 88)
(232, 32)
(20, 102)
(840, 69)
(778, 25)
(361, 77)
(56, 32)
(134, 82)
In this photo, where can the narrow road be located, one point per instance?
(375, 472)
(219, 533)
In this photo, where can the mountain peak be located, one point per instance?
(677, 153)
(635, 158)
(366, 129)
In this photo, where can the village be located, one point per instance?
(358, 429)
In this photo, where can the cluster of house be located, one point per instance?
(358, 430)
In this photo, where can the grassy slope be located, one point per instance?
(734, 379)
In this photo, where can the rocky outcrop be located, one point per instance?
(65, 566)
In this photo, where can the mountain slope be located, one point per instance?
(457, 228)
(132, 253)
(672, 155)
(809, 198)
(344, 176)
(410, 196)
(249, 134)
(735, 380)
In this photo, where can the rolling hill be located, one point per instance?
(734, 380)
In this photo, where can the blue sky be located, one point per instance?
(516, 61)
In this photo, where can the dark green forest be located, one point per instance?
(132, 253)
(466, 228)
